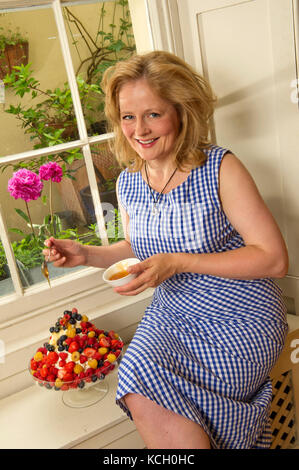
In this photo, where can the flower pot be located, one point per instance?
(13, 54)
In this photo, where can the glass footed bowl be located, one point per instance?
(81, 392)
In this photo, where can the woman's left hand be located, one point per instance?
(150, 273)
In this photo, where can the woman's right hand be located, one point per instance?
(64, 253)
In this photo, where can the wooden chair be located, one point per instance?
(285, 400)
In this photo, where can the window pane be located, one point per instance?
(6, 285)
(100, 34)
(107, 171)
(38, 109)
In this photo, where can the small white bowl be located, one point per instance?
(120, 266)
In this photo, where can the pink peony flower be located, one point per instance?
(51, 171)
(25, 185)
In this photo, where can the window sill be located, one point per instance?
(54, 425)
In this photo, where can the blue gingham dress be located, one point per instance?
(206, 344)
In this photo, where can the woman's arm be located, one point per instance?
(264, 254)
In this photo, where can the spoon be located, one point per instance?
(45, 271)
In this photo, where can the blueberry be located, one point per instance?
(63, 338)
(101, 377)
(106, 333)
(67, 312)
(51, 348)
(80, 350)
(61, 348)
(48, 386)
(94, 378)
(57, 323)
(100, 363)
(81, 384)
(78, 331)
(79, 317)
(52, 329)
(72, 321)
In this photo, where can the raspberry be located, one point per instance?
(83, 359)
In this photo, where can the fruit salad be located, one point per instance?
(77, 354)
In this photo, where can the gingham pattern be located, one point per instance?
(206, 344)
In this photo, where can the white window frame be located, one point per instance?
(10, 304)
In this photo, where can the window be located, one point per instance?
(52, 112)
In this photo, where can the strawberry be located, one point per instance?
(44, 372)
(105, 342)
(74, 310)
(61, 373)
(63, 356)
(61, 363)
(69, 366)
(74, 346)
(89, 352)
(51, 378)
(52, 357)
(68, 377)
(33, 364)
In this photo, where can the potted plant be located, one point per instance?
(14, 51)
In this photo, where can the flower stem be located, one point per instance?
(51, 209)
(28, 213)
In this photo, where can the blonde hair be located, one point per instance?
(176, 82)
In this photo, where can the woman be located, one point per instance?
(196, 374)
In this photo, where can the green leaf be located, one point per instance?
(23, 215)
(16, 230)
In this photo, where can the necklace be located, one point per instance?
(155, 207)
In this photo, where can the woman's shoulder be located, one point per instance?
(215, 153)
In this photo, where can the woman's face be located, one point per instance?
(150, 124)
